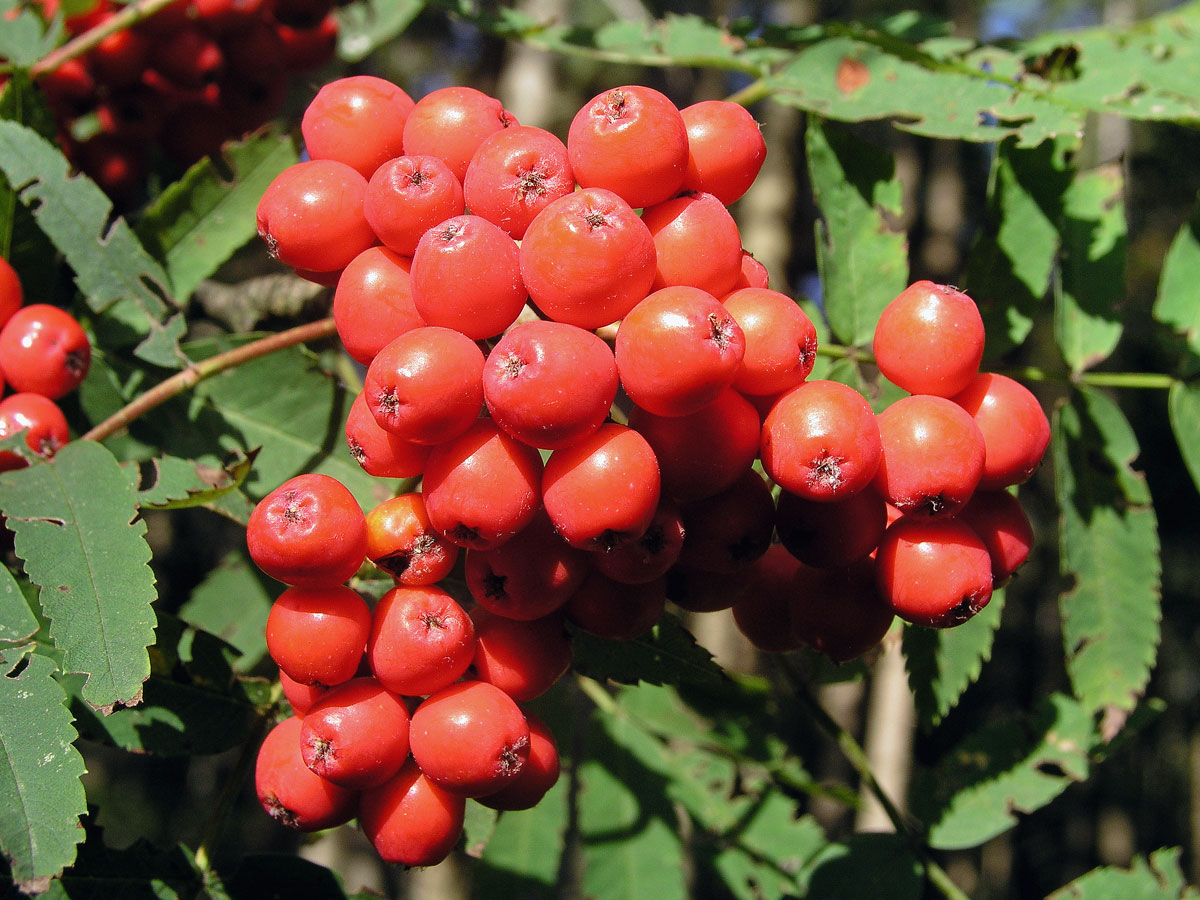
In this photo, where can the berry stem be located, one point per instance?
(197, 372)
(857, 757)
(82, 43)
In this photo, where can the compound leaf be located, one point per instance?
(944, 662)
(1088, 308)
(172, 483)
(76, 524)
(666, 654)
(197, 223)
(40, 790)
(113, 271)
(1159, 878)
(518, 860)
(1004, 769)
(863, 261)
(1108, 545)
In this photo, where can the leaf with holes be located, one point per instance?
(77, 529)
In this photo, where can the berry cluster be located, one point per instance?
(570, 347)
(44, 355)
(193, 75)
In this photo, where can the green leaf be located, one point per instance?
(17, 621)
(232, 602)
(1003, 770)
(1159, 878)
(1088, 309)
(1011, 262)
(40, 790)
(859, 80)
(1176, 304)
(366, 26)
(300, 429)
(762, 856)
(76, 524)
(863, 261)
(191, 703)
(25, 39)
(137, 871)
(630, 837)
(1108, 545)
(666, 654)
(198, 222)
(119, 279)
(522, 859)
(867, 866)
(1183, 407)
(172, 483)
(944, 662)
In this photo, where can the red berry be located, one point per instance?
(451, 122)
(820, 440)
(522, 658)
(372, 303)
(44, 350)
(289, 792)
(933, 572)
(781, 340)
(929, 340)
(41, 420)
(1015, 429)
(411, 821)
(356, 735)
(650, 556)
(309, 531)
(839, 611)
(696, 242)
(358, 120)
(677, 350)
(515, 174)
(317, 636)
(1000, 521)
(726, 149)
(603, 490)
(379, 452)
(470, 738)
(421, 640)
(408, 195)
(831, 534)
(538, 775)
(933, 455)
(616, 611)
(631, 140)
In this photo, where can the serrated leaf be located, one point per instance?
(300, 428)
(666, 654)
(857, 80)
(1004, 769)
(763, 857)
(1108, 545)
(863, 262)
(40, 790)
(198, 222)
(631, 847)
(119, 279)
(172, 483)
(25, 37)
(17, 621)
(366, 26)
(1088, 308)
(1176, 304)
(77, 529)
(232, 602)
(1183, 407)
(191, 703)
(523, 856)
(944, 662)
(1011, 262)
(1159, 878)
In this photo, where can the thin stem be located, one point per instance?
(857, 757)
(82, 43)
(197, 372)
(751, 93)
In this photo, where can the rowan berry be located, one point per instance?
(356, 735)
(318, 635)
(44, 350)
(42, 421)
(358, 120)
(291, 793)
(410, 820)
(421, 640)
(929, 339)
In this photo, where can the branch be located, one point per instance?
(197, 372)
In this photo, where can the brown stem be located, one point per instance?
(82, 43)
(197, 372)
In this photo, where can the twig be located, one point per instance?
(197, 372)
